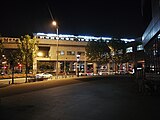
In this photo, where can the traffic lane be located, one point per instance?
(96, 100)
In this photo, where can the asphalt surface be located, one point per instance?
(18, 88)
(108, 98)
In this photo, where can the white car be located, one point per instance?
(82, 74)
(86, 74)
(103, 73)
(43, 75)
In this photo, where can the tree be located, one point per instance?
(118, 48)
(1, 47)
(28, 48)
(98, 51)
(1, 52)
(14, 57)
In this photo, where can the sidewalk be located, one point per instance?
(17, 88)
(6, 82)
(3, 85)
(8, 90)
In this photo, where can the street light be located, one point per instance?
(54, 23)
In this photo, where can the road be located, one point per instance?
(99, 99)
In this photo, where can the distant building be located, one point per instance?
(68, 47)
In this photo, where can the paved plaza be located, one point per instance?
(98, 98)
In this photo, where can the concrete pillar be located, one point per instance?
(71, 66)
(95, 68)
(34, 66)
(85, 66)
(64, 67)
(108, 67)
(59, 67)
(76, 68)
(127, 66)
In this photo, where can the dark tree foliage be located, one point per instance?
(98, 51)
(118, 49)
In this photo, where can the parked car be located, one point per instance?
(82, 74)
(102, 73)
(90, 74)
(86, 74)
(43, 75)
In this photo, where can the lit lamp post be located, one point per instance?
(54, 23)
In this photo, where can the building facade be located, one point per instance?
(69, 52)
(151, 40)
(135, 55)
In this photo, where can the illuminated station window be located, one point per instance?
(129, 50)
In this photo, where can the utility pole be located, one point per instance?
(78, 66)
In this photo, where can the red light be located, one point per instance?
(20, 65)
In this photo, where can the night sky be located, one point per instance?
(111, 18)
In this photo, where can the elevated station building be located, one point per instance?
(68, 47)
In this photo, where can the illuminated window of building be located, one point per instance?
(129, 49)
(47, 37)
(81, 53)
(40, 54)
(52, 38)
(67, 38)
(70, 52)
(61, 52)
(71, 38)
(139, 47)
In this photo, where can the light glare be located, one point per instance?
(54, 23)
